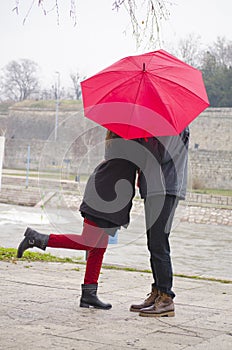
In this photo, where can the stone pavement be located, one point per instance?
(40, 310)
(39, 306)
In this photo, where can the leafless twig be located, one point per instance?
(145, 15)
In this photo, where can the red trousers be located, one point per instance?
(93, 239)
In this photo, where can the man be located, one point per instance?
(162, 182)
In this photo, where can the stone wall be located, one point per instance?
(58, 157)
(210, 155)
(80, 143)
(78, 146)
(210, 169)
(212, 130)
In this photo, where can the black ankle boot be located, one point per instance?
(89, 297)
(32, 239)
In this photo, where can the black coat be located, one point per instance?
(111, 187)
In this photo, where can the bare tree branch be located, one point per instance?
(145, 16)
(28, 12)
(116, 4)
(42, 3)
(73, 12)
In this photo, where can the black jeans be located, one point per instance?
(159, 214)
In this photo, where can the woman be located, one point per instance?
(105, 207)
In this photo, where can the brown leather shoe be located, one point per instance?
(147, 302)
(163, 306)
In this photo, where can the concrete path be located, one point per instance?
(39, 306)
(40, 310)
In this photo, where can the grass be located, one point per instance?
(50, 104)
(56, 174)
(34, 175)
(9, 255)
(4, 106)
(84, 177)
(53, 176)
(212, 191)
(212, 279)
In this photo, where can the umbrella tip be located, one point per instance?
(144, 67)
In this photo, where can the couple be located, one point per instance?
(161, 165)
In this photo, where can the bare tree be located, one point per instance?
(222, 51)
(51, 93)
(190, 50)
(75, 77)
(145, 15)
(19, 80)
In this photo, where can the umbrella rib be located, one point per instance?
(157, 91)
(102, 98)
(136, 95)
(181, 86)
(171, 81)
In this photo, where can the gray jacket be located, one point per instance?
(165, 164)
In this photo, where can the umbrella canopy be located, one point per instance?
(153, 94)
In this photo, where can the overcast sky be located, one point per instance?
(99, 38)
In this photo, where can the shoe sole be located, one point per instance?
(134, 310)
(96, 307)
(19, 252)
(138, 310)
(87, 306)
(163, 314)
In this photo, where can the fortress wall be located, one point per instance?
(212, 130)
(210, 169)
(80, 144)
(52, 156)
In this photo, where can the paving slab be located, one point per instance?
(40, 310)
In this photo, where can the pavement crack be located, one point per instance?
(79, 339)
(204, 340)
(41, 285)
(191, 333)
(188, 332)
(199, 306)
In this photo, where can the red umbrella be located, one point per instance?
(145, 95)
